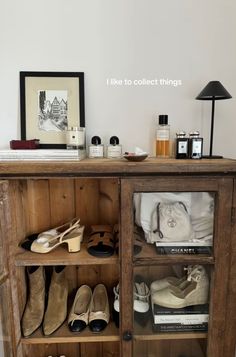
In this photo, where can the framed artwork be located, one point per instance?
(50, 102)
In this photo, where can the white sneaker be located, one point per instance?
(141, 298)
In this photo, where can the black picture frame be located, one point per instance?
(35, 87)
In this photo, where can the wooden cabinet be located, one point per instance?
(44, 195)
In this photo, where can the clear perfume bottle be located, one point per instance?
(114, 149)
(96, 149)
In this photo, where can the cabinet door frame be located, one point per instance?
(4, 274)
(230, 334)
(223, 187)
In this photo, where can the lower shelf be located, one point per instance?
(146, 334)
(64, 335)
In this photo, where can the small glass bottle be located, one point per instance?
(114, 150)
(75, 138)
(182, 146)
(96, 149)
(195, 145)
(163, 137)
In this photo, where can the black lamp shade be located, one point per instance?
(214, 90)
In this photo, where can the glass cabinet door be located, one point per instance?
(171, 310)
(176, 233)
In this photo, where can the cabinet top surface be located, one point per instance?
(121, 167)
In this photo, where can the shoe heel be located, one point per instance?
(74, 244)
(81, 232)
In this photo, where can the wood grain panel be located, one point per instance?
(91, 350)
(40, 350)
(126, 269)
(110, 349)
(36, 206)
(62, 201)
(119, 168)
(220, 273)
(17, 233)
(230, 333)
(140, 349)
(108, 201)
(160, 348)
(87, 201)
(69, 350)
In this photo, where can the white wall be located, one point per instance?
(193, 41)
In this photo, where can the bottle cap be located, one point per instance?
(96, 140)
(114, 140)
(194, 134)
(181, 134)
(163, 119)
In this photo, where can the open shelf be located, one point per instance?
(60, 256)
(147, 334)
(149, 256)
(64, 335)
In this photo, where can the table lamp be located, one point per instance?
(213, 91)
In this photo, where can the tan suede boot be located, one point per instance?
(57, 301)
(34, 310)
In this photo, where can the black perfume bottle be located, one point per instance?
(182, 146)
(195, 145)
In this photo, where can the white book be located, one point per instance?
(39, 154)
(203, 243)
(190, 319)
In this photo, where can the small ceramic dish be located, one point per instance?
(133, 157)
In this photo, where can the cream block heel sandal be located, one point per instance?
(72, 237)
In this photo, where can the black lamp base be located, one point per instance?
(212, 157)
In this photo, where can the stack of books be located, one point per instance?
(42, 154)
(191, 318)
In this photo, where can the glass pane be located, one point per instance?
(5, 341)
(171, 310)
(173, 223)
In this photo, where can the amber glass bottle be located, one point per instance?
(163, 137)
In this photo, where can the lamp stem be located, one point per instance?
(212, 124)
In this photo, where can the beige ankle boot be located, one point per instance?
(57, 301)
(34, 310)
